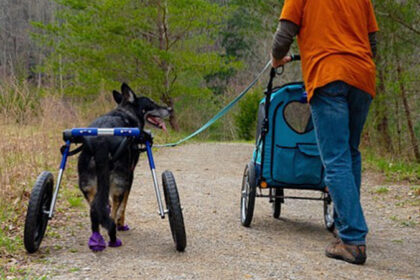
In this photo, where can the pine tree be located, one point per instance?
(164, 48)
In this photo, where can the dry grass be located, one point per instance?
(25, 151)
(30, 140)
(17, 101)
(31, 123)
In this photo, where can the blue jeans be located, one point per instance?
(339, 112)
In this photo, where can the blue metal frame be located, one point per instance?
(119, 131)
(150, 156)
(59, 177)
(65, 155)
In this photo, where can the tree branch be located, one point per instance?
(400, 21)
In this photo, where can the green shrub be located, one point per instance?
(382, 190)
(18, 101)
(395, 169)
(246, 118)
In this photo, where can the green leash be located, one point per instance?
(220, 114)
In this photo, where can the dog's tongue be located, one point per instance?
(163, 126)
(158, 122)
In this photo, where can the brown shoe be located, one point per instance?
(355, 254)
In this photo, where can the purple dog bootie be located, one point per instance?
(96, 242)
(123, 228)
(117, 243)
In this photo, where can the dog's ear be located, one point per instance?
(127, 93)
(117, 96)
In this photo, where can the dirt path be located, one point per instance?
(209, 178)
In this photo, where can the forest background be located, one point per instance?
(191, 55)
(60, 60)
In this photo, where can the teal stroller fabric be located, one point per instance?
(288, 156)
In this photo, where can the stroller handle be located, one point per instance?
(295, 57)
(269, 89)
(274, 71)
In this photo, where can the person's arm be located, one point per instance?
(372, 26)
(290, 20)
(283, 38)
(372, 41)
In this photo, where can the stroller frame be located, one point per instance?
(255, 185)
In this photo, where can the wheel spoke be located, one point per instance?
(244, 193)
(328, 212)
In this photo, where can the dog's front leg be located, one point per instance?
(121, 226)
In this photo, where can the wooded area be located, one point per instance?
(193, 55)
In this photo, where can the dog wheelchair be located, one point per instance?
(43, 196)
(286, 155)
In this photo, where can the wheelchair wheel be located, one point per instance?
(277, 203)
(176, 220)
(248, 193)
(328, 213)
(37, 213)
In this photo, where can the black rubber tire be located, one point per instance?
(277, 203)
(248, 192)
(36, 219)
(173, 204)
(328, 213)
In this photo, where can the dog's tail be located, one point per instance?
(99, 207)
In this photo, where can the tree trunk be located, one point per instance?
(173, 120)
(407, 111)
(166, 68)
(398, 121)
(383, 125)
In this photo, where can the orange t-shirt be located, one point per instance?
(333, 41)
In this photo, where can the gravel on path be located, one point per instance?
(209, 178)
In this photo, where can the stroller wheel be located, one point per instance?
(277, 203)
(37, 213)
(328, 213)
(176, 219)
(248, 192)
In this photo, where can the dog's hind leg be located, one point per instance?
(87, 175)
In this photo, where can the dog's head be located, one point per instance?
(145, 109)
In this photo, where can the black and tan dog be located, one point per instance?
(106, 164)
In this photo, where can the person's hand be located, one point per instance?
(279, 62)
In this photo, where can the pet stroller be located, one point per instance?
(286, 155)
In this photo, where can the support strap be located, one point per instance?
(119, 151)
(71, 153)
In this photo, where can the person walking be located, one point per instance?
(337, 44)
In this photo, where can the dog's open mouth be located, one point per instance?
(156, 122)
